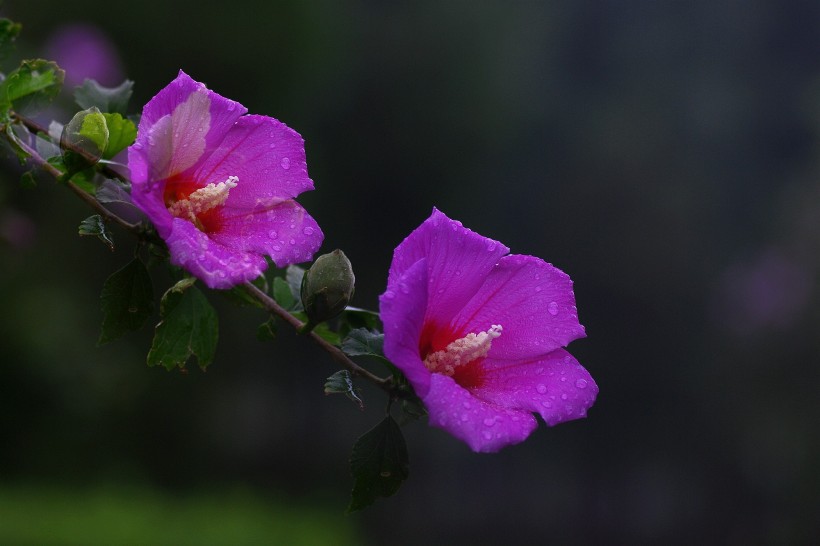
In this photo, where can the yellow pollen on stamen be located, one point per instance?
(462, 351)
(203, 200)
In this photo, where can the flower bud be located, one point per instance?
(84, 139)
(327, 287)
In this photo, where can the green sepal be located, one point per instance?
(9, 30)
(31, 86)
(127, 301)
(341, 382)
(107, 99)
(188, 327)
(95, 225)
(379, 464)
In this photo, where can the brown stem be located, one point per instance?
(335, 353)
(89, 199)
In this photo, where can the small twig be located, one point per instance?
(89, 199)
(37, 128)
(335, 353)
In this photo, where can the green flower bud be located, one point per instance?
(327, 287)
(84, 139)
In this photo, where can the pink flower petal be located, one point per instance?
(484, 427)
(458, 259)
(285, 232)
(534, 303)
(266, 155)
(218, 266)
(556, 386)
(402, 308)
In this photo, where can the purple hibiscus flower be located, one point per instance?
(219, 184)
(479, 334)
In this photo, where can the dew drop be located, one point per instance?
(276, 248)
(273, 145)
(308, 231)
(389, 295)
(465, 417)
(285, 163)
(541, 388)
(272, 234)
(564, 396)
(231, 106)
(539, 370)
(292, 241)
(404, 288)
(490, 246)
(552, 308)
(563, 379)
(581, 383)
(488, 435)
(489, 421)
(466, 405)
(538, 289)
(546, 404)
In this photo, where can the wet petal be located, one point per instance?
(458, 260)
(402, 308)
(285, 232)
(532, 300)
(483, 426)
(216, 265)
(266, 155)
(555, 386)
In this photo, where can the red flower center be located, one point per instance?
(456, 355)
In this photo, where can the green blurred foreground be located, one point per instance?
(121, 515)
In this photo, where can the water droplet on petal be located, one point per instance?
(538, 288)
(564, 396)
(389, 295)
(546, 404)
(272, 234)
(285, 163)
(489, 421)
(488, 435)
(276, 248)
(541, 388)
(552, 308)
(292, 241)
(465, 417)
(581, 383)
(490, 246)
(231, 106)
(308, 231)
(466, 405)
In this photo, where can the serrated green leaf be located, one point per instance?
(363, 342)
(379, 464)
(107, 99)
(127, 301)
(9, 30)
(341, 382)
(189, 327)
(31, 86)
(113, 191)
(94, 225)
(121, 134)
(84, 139)
(282, 293)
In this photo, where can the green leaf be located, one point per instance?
(28, 180)
(95, 225)
(363, 342)
(107, 99)
(294, 275)
(8, 33)
(84, 139)
(113, 191)
(189, 327)
(266, 330)
(379, 464)
(356, 317)
(121, 134)
(341, 382)
(127, 301)
(31, 86)
(282, 293)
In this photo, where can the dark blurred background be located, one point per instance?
(664, 154)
